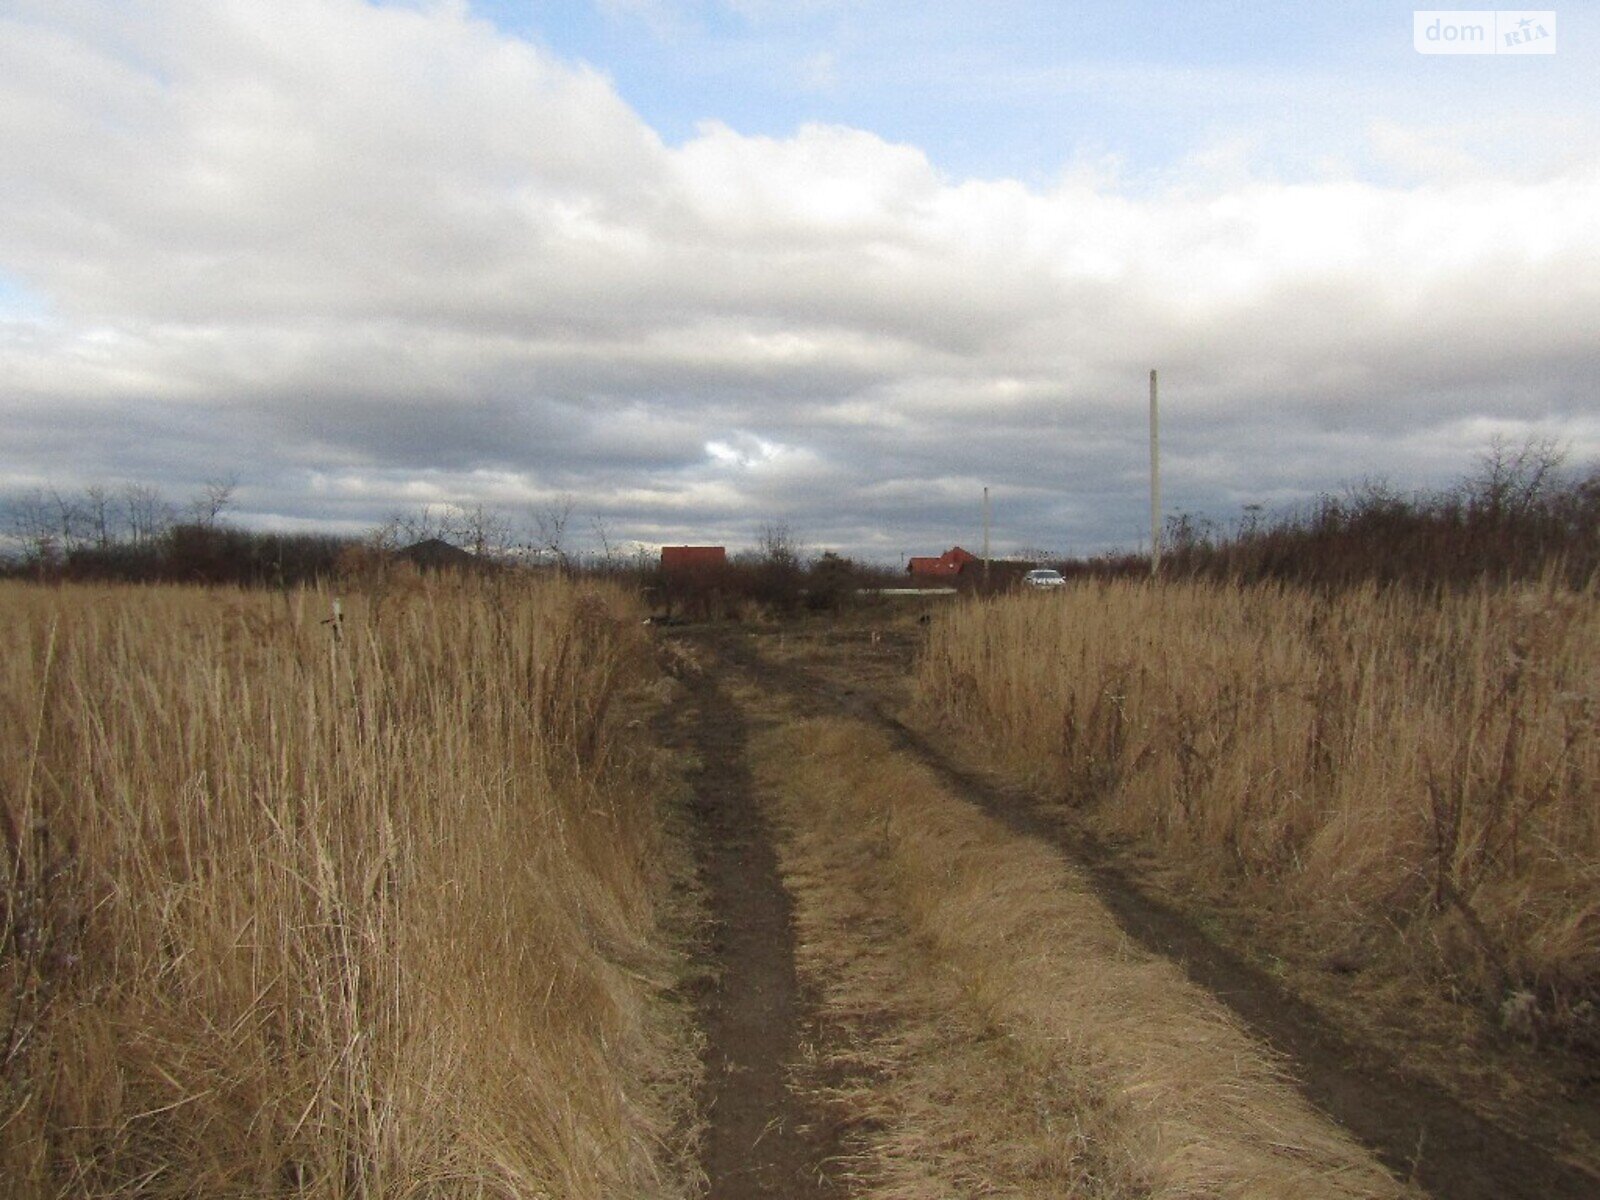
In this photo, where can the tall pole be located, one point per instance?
(986, 539)
(1155, 483)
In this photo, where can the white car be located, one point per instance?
(1043, 578)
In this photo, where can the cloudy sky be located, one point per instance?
(708, 265)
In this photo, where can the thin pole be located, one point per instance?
(1155, 482)
(986, 538)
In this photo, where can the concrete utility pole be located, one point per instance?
(986, 538)
(1155, 482)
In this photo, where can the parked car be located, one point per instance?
(1043, 578)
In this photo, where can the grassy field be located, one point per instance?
(1394, 770)
(367, 907)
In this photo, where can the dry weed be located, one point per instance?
(362, 903)
(1377, 759)
(1003, 1037)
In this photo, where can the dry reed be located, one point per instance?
(1376, 759)
(1002, 1035)
(366, 905)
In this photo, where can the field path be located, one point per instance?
(757, 1140)
(1417, 1130)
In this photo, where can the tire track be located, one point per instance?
(757, 1142)
(1414, 1127)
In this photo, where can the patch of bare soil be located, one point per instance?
(1416, 1127)
(759, 1139)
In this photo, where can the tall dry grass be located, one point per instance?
(1378, 759)
(1002, 1035)
(358, 909)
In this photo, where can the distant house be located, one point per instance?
(435, 554)
(947, 566)
(682, 559)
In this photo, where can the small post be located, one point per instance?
(1155, 483)
(335, 625)
(985, 539)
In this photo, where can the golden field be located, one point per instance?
(330, 909)
(1383, 764)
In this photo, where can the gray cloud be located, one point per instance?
(377, 257)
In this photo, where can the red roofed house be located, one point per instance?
(692, 558)
(947, 566)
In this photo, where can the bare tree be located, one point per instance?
(610, 552)
(386, 536)
(779, 546)
(550, 526)
(216, 496)
(779, 575)
(32, 521)
(1511, 480)
(146, 511)
(98, 514)
(485, 530)
(67, 515)
(423, 525)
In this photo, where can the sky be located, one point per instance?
(707, 267)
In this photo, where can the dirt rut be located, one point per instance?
(1415, 1128)
(757, 1140)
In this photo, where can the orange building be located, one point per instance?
(692, 558)
(947, 566)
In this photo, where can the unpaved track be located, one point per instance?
(1415, 1128)
(756, 1141)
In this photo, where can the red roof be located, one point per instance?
(948, 563)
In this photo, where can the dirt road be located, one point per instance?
(750, 1008)
(768, 1136)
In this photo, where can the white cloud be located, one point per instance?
(391, 245)
(1513, 144)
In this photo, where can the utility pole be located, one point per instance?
(1155, 483)
(986, 539)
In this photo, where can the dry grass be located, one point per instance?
(1375, 760)
(1003, 1036)
(366, 911)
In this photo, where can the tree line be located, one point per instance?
(1519, 515)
